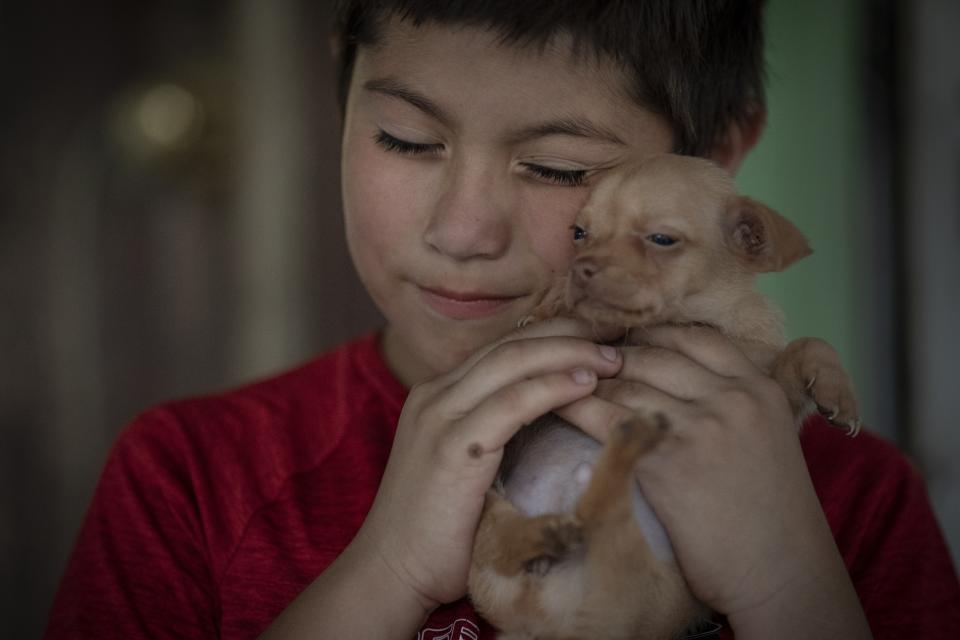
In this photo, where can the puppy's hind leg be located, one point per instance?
(512, 556)
(513, 543)
(628, 592)
(609, 495)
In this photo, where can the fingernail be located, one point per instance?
(608, 352)
(582, 376)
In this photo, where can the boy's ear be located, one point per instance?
(762, 238)
(739, 139)
(335, 44)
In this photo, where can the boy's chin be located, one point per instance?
(473, 336)
(420, 355)
(451, 350)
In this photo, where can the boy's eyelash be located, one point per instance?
(564, 177)
(397, 145)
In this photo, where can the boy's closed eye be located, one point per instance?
(404, 147)
(564, 177)
(552, 175)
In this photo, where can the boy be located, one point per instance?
(333, 502)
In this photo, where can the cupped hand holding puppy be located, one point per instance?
(413, 550)
(729, 482)
(450, 440)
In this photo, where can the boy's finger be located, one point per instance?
(704, 345)
(500, 415)
(514, 361)
(672, 372)
(545, 329)
(595, 416)
(598, 414)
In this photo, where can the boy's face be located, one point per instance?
(463, 165)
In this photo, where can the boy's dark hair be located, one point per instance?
(699, 63)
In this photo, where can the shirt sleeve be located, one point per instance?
(139, 568)
(902, 570)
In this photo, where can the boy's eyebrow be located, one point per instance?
(395, 89)
(577, 127)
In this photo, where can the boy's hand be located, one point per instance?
(449, 443)
(728, 481)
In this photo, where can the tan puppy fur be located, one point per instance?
(664, 241)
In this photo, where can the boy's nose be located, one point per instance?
(471, 218)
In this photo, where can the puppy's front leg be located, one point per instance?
(809, 369)
(552, 301)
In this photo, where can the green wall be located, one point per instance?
(807, 166)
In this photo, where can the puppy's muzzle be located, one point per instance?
(583, 271)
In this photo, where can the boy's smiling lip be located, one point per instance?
(460, 305)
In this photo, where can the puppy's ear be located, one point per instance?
(762, 238)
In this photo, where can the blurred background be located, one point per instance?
(170, 226)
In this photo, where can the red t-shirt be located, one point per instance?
(213, 514)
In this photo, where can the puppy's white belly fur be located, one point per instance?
(553, 471)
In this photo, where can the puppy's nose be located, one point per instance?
(583, 272)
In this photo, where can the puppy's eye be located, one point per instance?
(662, 239)
(579, 233)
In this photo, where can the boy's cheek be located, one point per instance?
(378, 194)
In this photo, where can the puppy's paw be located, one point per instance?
(550, 302)
(638, 435)
(810, 372)
(544, 311)
(832, 392)
(536, 315)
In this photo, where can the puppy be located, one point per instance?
(567, 548)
